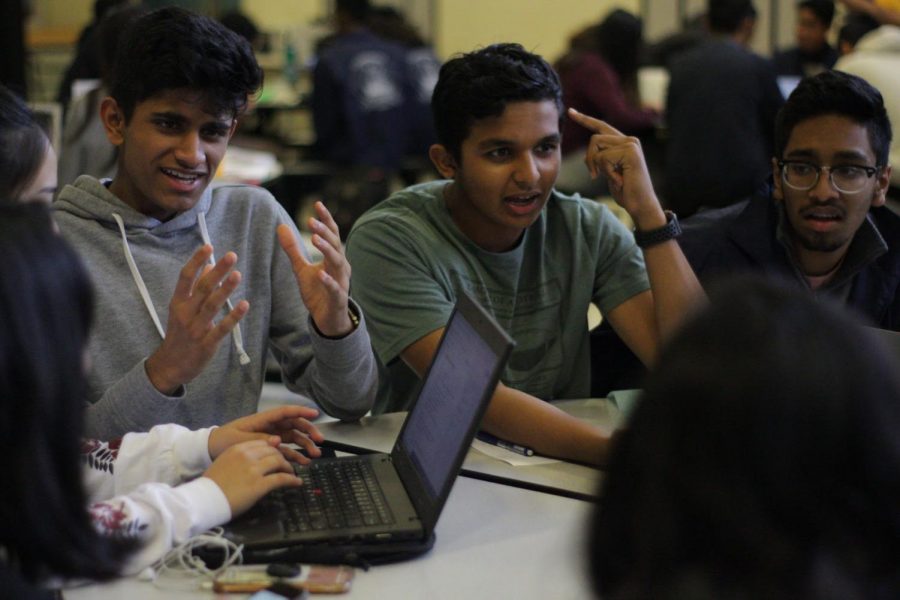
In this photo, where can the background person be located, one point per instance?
(359, 108)
(599, 78)
(422, 66)
(812, 54)
(85, 148)
(88, 57)
(720, 111)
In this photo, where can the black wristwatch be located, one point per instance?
(669, 231)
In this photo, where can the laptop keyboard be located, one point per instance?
(337, 494)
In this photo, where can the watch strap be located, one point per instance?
(669, 231)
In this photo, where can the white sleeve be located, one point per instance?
(159, 517)
(167, 454)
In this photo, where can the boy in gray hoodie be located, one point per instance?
(158, 351)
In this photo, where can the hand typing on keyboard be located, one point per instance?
(286, 424)
(247, 471)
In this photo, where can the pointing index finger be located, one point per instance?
(595, 125)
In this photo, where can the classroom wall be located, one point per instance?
(542, 26)
(460, 25)
(61, 13)
(275, 15)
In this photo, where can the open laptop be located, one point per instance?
(404, 491)
(787, 83)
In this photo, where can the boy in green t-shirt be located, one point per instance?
(533, 257)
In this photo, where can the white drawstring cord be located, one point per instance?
(236, 332)
(145, 295)
(138, 280)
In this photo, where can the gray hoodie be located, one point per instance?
(340, 375)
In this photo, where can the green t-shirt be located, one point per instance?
(410, 261)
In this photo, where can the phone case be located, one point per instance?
(318, 579)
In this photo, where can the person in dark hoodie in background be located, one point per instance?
(720, 110)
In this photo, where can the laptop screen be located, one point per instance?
(787, 84)
(448, 402)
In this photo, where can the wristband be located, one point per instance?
(669, 231)
(354, 325)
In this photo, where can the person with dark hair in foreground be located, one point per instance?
(74, 508)
(825, 225)
(535, 258)
(179, 84)
(762, 460)
(27, 160)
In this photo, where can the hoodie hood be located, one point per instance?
(89, 198)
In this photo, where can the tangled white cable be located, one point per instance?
(185, 570)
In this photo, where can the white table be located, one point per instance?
(568, 479)
(493, 541)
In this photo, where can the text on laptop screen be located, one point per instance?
(443, 412)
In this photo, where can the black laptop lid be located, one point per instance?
(451, 401)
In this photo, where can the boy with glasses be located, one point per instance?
(825, 225)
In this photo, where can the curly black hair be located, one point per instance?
(836, 93)
(480, 84)
(172, 48)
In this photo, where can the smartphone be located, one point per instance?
(318, 579)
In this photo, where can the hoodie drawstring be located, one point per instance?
(138, 280)
(145, 295)
(236, 332)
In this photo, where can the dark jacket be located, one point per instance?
(741, 238)
(795, 63)
(720, 110)
(359, 101)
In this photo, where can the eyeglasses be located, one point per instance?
(804, 176)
